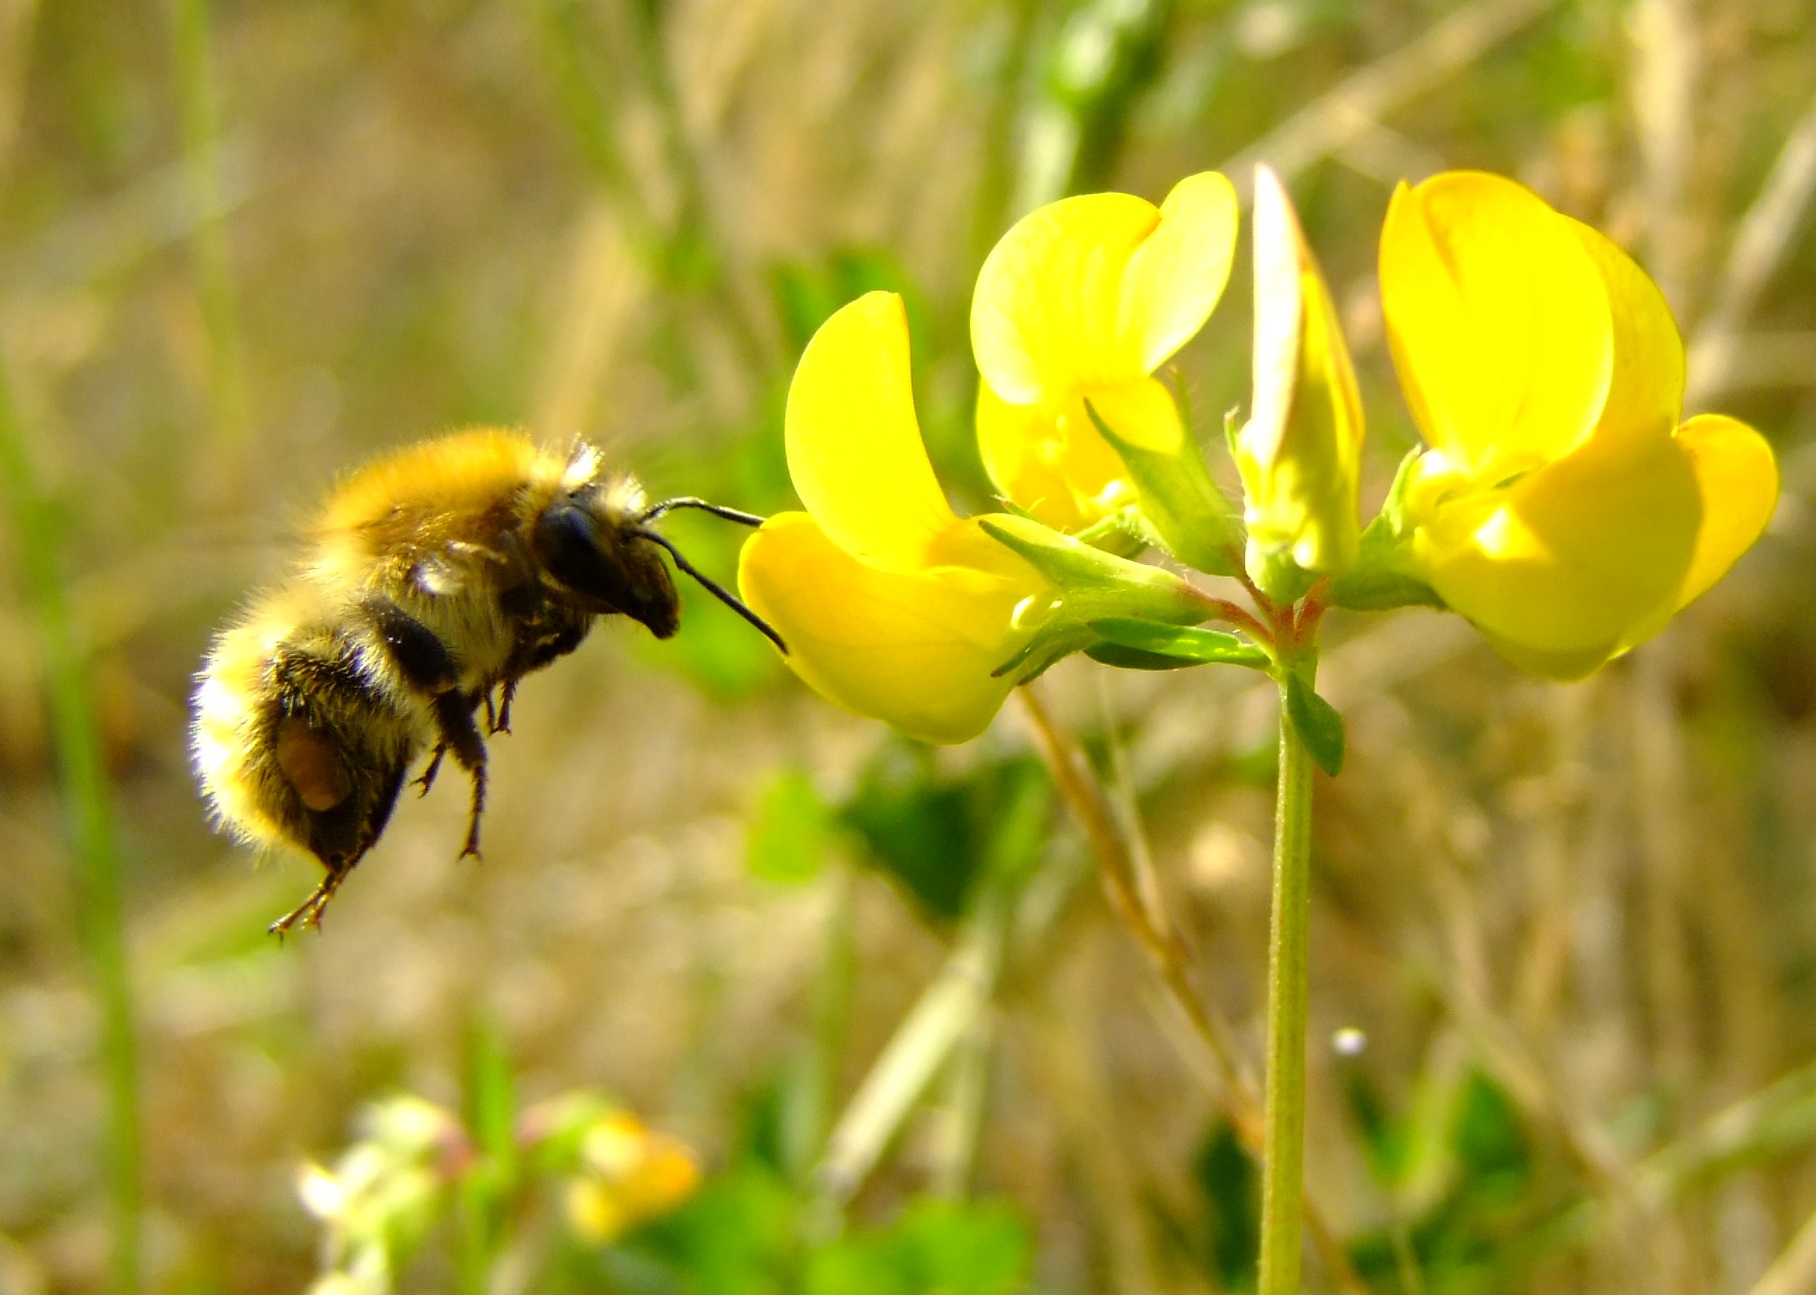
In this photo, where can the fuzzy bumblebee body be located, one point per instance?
(431, 582)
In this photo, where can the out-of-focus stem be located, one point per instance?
(920, 1046)
(1283, 1159)
(1167, 954)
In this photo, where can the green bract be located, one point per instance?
(1300, 451)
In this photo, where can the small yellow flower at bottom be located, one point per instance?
(629, 1175)
(892, 606)
(1561, 507)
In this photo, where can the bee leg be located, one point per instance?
(427, 780)
(491, 711)
(506, 691)
(460, 734)
(309, 912)
(426, 663)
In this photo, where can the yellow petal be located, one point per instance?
(1299, 453)
(1646, 388)
(854, 447)
(1098, 290)
(914, 649)
(1047, 309)
(1175, 278)
(1142, 412)
(1738, 481)
(1498, 321)
(1048, 458)
(1045, 459)
(1561, 568)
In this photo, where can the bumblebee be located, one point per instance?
(431, 582)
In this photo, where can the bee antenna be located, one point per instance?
(688, 501)
(712, 587)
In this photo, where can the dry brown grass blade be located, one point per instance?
(1778, 1119)
(1665, 61)
(1794, 1272)
(1351, 110)
(1765, 235)
(17, 18)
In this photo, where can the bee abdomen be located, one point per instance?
(340, 737)
(302, 734)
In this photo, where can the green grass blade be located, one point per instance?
(87, 805)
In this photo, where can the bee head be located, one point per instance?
(598, 553)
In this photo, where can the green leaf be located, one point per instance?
(789, 832)
(1127, 658)
(1185, 644)
(1319, 725)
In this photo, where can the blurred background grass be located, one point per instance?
(1564, 971)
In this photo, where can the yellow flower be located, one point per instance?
(1082, 300)
(1561, 506)
(1300, 452)
(892, 606)
(629, 1174)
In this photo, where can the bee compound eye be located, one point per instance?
(567, 542)
(311, 765)
(613, 571)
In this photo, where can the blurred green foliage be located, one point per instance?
(938, 837)
(789, 831)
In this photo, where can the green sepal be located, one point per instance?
(1276, 574)
(1125, 532)
(1378, 581)
(1015, 510)
(1393, 508)
(1089, 585)
(1052, 643)
(1183, 644)
(1380, 578)
(1318, 724)
(1094, 584)
(1195, 523)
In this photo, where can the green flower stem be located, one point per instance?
(1171, 960)
(1283, 1164)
